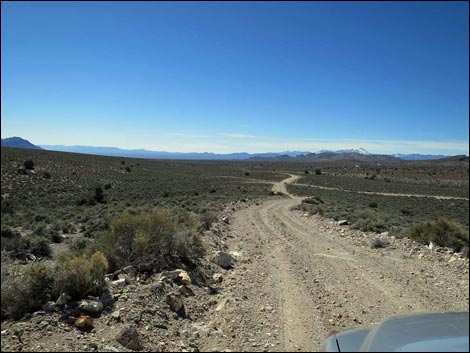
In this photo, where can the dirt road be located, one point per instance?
(301, 277)
(393, 194)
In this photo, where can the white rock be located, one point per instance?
(343, 222)
(120, 283)
(116, 315)
(217, 278)
(91, 306)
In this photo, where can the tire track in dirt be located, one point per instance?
(392, 194)
(320, 280)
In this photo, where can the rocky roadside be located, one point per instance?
(168, 311)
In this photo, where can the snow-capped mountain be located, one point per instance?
(352, 150)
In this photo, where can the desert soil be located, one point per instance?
(295, 278)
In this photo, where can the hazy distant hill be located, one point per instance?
(18, 142)
(142, 153)
(460, 158)
(326, 156)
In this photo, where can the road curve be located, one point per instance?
(318, 278)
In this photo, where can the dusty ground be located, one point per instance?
(295, 278)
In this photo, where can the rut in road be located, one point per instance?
(319, 280)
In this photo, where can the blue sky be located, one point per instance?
(231, 77)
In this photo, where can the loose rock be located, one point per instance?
(175, 301)
(129, 338)
(222, 259)
(84, 322)
(91, 306)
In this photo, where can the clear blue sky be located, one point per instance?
(226, 77)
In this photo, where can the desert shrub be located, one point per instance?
(40, 229)
(128, 169)
(99, 195)
(29, 164)
(307, 172)
(406, 212)
(207, 218)
(464, 251)
(6, 206)
(81, 202)
(47, 175)
(107, 186)
(373, 204)
(79, 245)
(247, 173)
(18, 246)
(187, 219)
(22, 171)
(368, 221)
(13, 243)
(40, 218)
(96, 225)
(80, 276)
(377, 243)
(24, 289)
(123, 162)
(141, 239)
(318, 171)
(38, 246)
(55, 237)
(442, 232)
(317, 210)
(315, 200)
(188, 244)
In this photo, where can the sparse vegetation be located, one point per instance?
(25, 288)
(315, 200)
(207, 218)
(442, 232)
(148, 241)
(29, 164)
(368, 221)
(377, 243)
(80, 276)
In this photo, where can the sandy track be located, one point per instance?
(393, 194)
(318, 280)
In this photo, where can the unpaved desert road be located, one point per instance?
(314, 279)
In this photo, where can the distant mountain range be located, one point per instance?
(354, 154)
(142, 153)
(18, 142)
